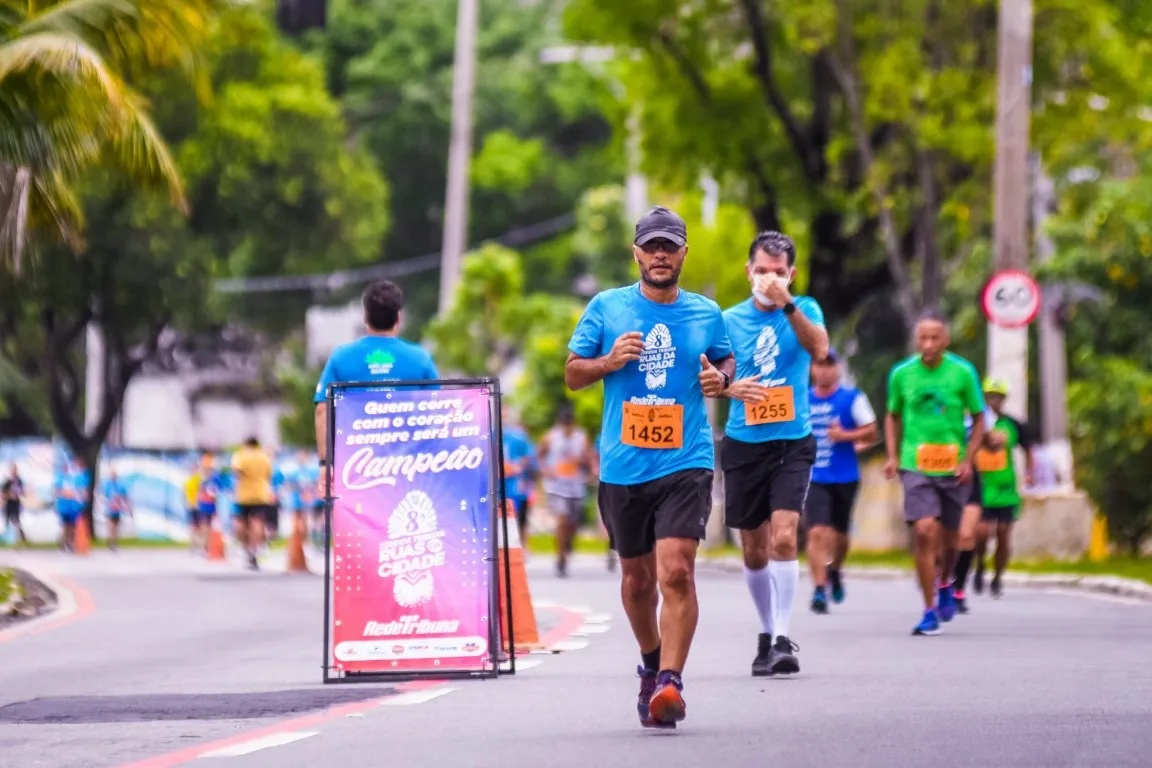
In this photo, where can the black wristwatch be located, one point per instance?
(323, 462)
(789, 308)
(727, 379)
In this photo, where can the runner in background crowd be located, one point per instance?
(12, 493)
(844, 424)
(275, 503)
(192, 503)
(768, 448)
(253, 470)
(379, 355)
(307, 501)
(116, 505)
(969, 522)
(207, 500)
(660, 351)
(71, 493)
(996, 464)
(929, 395)
(518, 460)
(565, 459)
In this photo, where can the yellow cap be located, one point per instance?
(995, 387)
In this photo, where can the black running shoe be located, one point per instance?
(995, 590)
(762, 665)
(978, 581)
(782, 660)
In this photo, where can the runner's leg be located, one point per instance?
(784, 569)
(922, 510)
(983, 530)
(844, 500)
(757, 546)
(818, 512)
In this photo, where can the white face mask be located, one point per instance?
(762, 298)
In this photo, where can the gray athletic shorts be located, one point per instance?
(939, 498)
(562, 506)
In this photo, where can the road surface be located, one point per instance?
(172, 664)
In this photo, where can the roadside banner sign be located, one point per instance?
(415, 487)
(1011, 299)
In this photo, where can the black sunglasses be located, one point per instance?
(660, 244)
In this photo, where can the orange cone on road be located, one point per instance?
(297, 563)
(525, 634)
(83, 537)
(215, 544)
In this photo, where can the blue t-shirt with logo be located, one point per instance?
(208, 493)
(376, 358)
(71, 483)
(115, 497)
(667, 373)
(517, 447)
(307, 479)
(837, 462)
(765, 343)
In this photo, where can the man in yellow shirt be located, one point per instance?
(253, 470)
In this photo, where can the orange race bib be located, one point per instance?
(653, 426)
(991, 461)
(565, 469)
(937, 458)
(779, 406)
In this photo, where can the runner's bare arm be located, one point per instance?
(580, 372)
(320, 421)
(977, 438)
(892, 429)
(811, 336)
(726, 365)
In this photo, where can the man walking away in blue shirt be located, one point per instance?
(844, 423)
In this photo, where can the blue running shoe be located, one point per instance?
(929, 625)
(647, 688)
(837, 585)
(819, 601)
(946, 603)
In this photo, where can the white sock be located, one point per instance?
(785, 575)
(760, 585)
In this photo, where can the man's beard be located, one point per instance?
(666, 283)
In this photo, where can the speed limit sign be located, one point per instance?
(1011, 299)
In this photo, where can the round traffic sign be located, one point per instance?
(1011, 299)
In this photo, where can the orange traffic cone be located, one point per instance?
(83, 542)
(297, 563)
(526, 635)
(215, 544)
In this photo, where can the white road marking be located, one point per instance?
(591, 629)
(415, 697)
(264, 742)
(597, 618)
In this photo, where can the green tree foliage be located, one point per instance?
(66, 105)
(864, 125)
(1110, 411)
(493, 326)
(539, 137)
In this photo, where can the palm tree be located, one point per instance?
(66, 104)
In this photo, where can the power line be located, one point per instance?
(343, 278)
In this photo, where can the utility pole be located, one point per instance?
(1008, 348)
(459, 151)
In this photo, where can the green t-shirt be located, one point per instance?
(999, 485)
(931, 404)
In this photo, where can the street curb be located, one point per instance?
(1110, 585)
(66, 606)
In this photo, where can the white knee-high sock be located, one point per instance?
(760, 585)
(785, 575)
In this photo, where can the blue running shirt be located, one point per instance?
(663, 385)
(517, 447)
(376, 358)
(837, 462)
(766, 344)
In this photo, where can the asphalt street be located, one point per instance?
(177, 664)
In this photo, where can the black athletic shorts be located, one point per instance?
(976, 498)
(1001, 515)
(831, 504)
(521, 507)
(12, 511)
(760, 478)
(248, 511)
(676, 506)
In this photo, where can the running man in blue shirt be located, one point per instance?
(768, 448)
(844, 423)
(518, 459)
(660, 351)
(379, 355)
(116, 504)
(71, 494)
